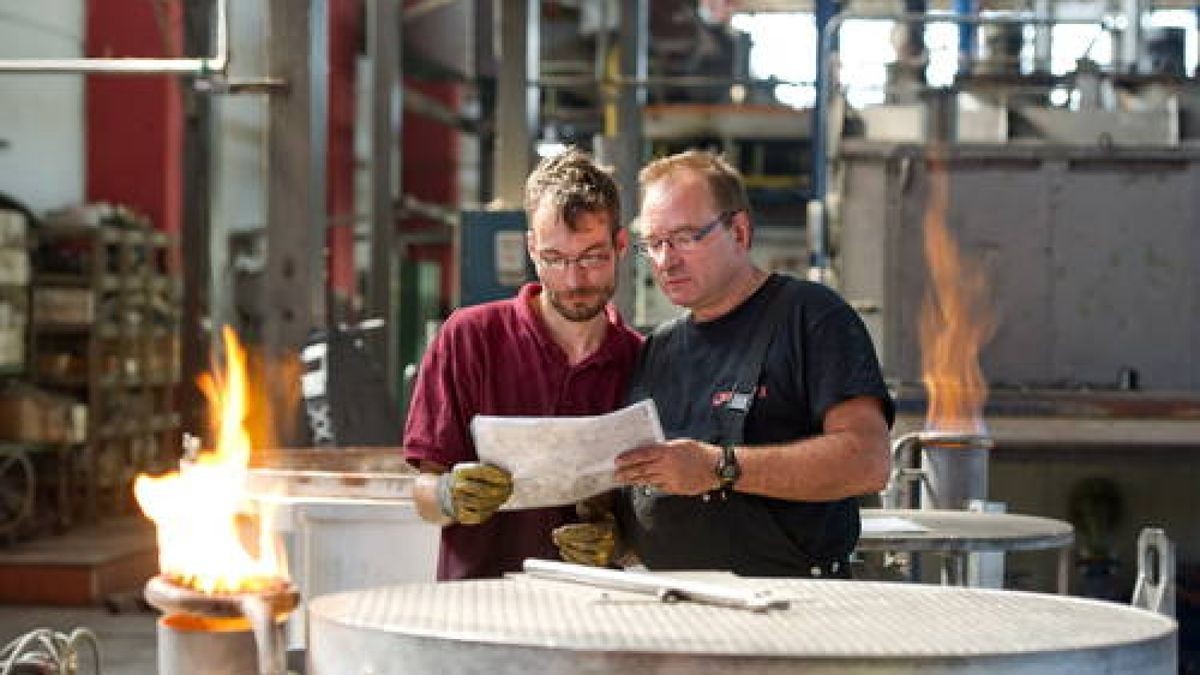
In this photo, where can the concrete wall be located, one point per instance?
(41, 116)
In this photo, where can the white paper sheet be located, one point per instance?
(562, 460)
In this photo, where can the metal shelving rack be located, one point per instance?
(105, 329)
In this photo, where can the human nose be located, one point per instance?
(573, 271)
(659, 253)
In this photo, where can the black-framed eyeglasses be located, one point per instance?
(681, 240)
(555, 262)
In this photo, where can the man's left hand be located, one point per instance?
(682, 466)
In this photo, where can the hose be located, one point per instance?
(45, 651)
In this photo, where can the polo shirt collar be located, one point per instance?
(527, 295)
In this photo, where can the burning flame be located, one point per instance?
(198, 510)
(956, 321)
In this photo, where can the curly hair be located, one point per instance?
(573, 183)
(725, 183)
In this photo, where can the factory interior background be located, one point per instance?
(330, 179)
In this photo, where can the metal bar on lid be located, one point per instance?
(664, 588)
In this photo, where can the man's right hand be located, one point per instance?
(471, 492)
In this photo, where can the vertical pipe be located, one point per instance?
(1131, 39)
(383, 45)
(634, 44)
(196, 231)
(518, 24)
(818, 217)
(1043, 9)
(345, 34)
(294, 276)
(485, 76)
(967, 32)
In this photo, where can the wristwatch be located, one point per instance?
(728, 469)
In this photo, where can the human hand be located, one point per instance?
(471, 492)
(593, 543)
(682, 466)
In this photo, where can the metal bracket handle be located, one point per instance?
(1155, 586)
(665, 588)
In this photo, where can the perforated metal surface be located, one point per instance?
(847, 624)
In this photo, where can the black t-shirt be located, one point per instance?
(820, 356)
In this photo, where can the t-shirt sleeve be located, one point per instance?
(840, 363)
(441, 403)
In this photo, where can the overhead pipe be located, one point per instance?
(201, 66)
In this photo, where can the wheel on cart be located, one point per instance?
(17, 487)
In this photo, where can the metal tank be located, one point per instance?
(524, 625)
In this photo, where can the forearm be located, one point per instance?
(824, 468)
(425, 495)
(851, 458)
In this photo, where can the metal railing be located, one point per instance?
(201, 66)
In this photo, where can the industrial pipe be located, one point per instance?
(201, 66)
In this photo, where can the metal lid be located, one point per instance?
(826, 619)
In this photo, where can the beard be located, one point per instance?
(580, 304)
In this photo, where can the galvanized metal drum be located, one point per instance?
(524, 625)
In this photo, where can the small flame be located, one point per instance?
(956, 321)
(198, 510)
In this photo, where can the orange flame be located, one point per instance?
(956, 321)
(198, 510)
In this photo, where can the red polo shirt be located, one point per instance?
(499, 359)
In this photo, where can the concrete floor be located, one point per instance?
(126, 639)
(58, 581)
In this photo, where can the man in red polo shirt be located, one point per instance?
(558, 348)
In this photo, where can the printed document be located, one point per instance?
(562, 460)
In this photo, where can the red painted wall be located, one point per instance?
(430, 167)
(134, 125)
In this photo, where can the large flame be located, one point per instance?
(199, 509)
(956, 321)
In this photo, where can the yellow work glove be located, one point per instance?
(592, 543)
(471, 492)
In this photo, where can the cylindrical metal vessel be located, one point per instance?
(523, 625)
(184, 646)
(951, 467)
(193, 645)
(955, 475)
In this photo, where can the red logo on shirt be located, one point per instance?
(720, 398)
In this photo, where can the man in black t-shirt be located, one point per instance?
(780, 501)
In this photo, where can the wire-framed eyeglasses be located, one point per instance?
(556, 262)
(682, 240)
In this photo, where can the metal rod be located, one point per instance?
(664, 588)
(384, 36)
(419, 9)
(421, 103)
(688, 81)
(216, 64)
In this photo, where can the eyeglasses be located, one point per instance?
(559, 263)
(682, 240)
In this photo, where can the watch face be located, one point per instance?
(728, 470)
